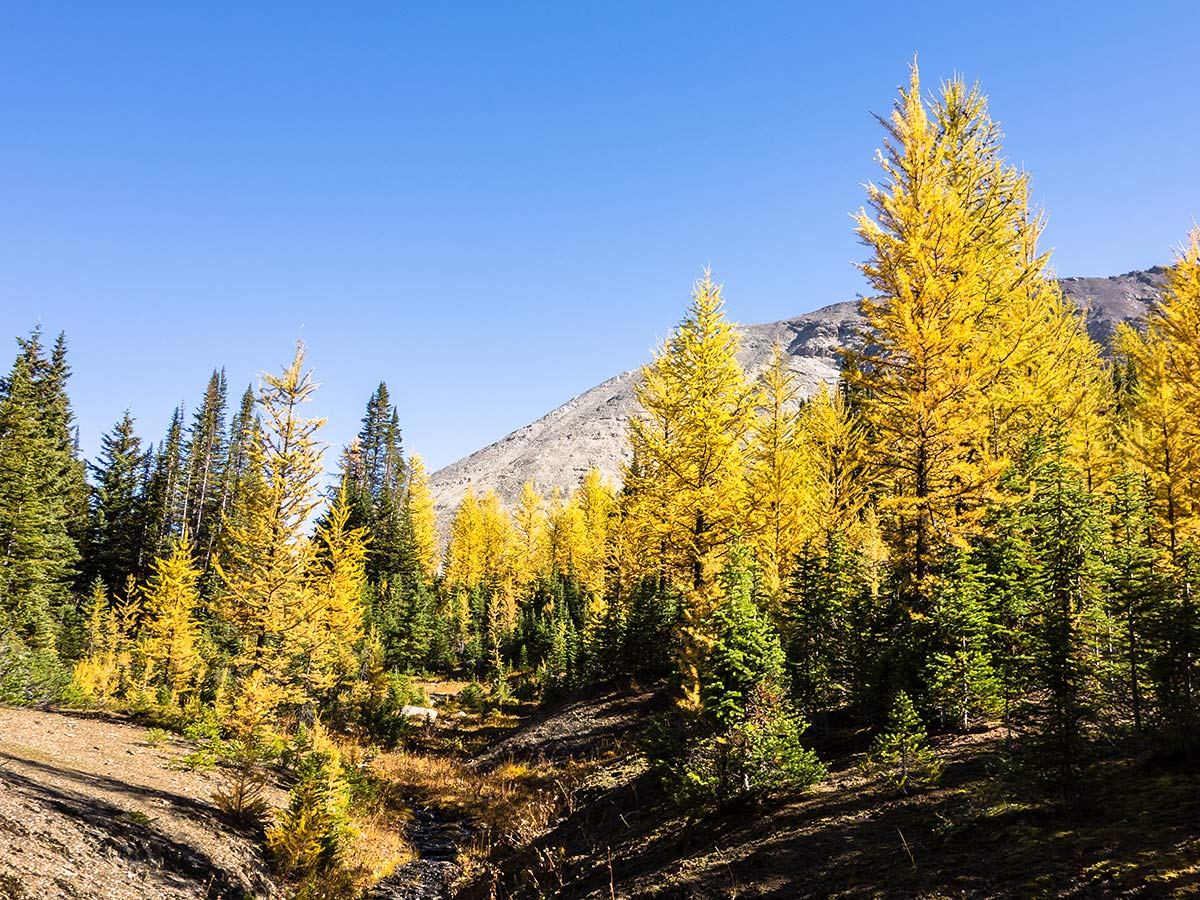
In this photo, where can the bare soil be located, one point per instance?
(983, 832)
(89, 809)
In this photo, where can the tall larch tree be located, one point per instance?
(688, 473)
(1162, 437)
(529, 523)
(268, 558)
(925, 363)
(775, 476)
(419, 515)
(332, 631)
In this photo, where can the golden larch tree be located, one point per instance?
(169, 643)
(268, 556)
(419, 501)
(688, 473)
(774, 475)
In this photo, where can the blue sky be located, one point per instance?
(495, 206)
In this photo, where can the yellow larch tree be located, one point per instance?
(104, 667)
(596, 501)
(1042, 372)
(566, 534)
(419, 502)
(949, 235)
(774, 475)
(688, 473)
(464, 551)
(833, 463)
(529, 522)
(264, 570)
(497, 561)
(169, 644)
(332, 632)
(1162, 434)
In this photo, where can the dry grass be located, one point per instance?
(508, 806)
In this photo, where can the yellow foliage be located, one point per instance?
(1162, 434)
(170, 639)
(333, 625)
(686, 483)
(420, 514)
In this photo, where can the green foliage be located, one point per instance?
(758, 755)
(379, 712)
(31, 677)
(472, 696)
(745, 652)
(900, 757)
(963, 683)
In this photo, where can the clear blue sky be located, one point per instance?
(495, 206)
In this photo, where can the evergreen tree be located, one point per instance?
(204, 466)
(118, 516)
(745, 650)
(38, 554)
(165, 491)
(1065, 542)
(900, 755)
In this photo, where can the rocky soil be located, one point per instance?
(89, 808)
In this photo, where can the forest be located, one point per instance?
(990, 519)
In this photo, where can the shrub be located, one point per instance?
(471, 697)
(900, 757)
(30, 677)
(241, 792)
(759, 755)
(379, 711)
(310, 834)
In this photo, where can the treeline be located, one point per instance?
(987, 519)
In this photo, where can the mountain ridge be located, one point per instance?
(588, 430)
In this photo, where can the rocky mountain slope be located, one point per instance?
(558, 449)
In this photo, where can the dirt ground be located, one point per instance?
(88, 808)
(1134, 832)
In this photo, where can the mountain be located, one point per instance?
(558, 449)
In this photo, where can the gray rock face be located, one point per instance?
(558, 449)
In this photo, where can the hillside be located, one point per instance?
(589, 430)
(93, 806)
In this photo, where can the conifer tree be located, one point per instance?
(268, 558)
(204, 465)
(900, 755)
(1162, 437)
(1066, 534)
(745, 650)
(688, 476)
(961, 676)
(775, 474)
(165, 490)
(924, 367)
(37, 551)
(418, 514)
(118, 515)
(1137, 591)
(170, 639)
(529, 520)
(332, 629)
